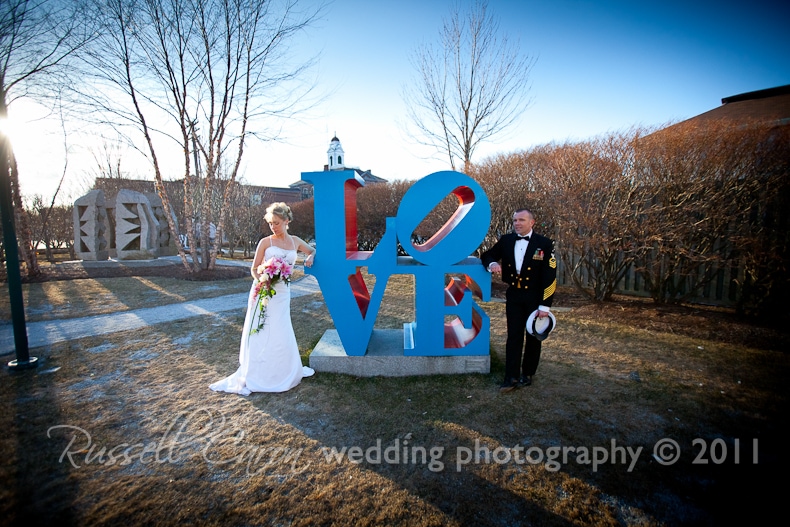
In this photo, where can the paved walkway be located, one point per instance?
(48, 332)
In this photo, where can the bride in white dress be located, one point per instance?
(269, 358)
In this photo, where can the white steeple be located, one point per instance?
(335, 155)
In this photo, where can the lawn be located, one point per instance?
(123, 430)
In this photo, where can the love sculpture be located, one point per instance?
(448, 322)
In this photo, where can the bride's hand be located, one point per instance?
(309, 260)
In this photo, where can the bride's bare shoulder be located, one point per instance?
(263, 244)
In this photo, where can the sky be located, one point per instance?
(601, 66)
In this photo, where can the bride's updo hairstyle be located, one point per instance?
(278, 209)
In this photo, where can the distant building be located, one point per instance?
(335, 161)
(770, 106)
(111, 185)
(263, 195)
(259, 195)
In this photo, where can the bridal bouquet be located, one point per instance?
(271, 271)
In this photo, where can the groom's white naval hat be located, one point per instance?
(540, 327)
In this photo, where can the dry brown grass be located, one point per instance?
(198, 457)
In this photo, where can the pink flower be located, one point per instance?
(271, 271)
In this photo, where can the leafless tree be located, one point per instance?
(686, 207)
(581, 196)
(246, 225)
(762, 236)
(38, 39)
(52, 225)
(376, 203)
(592, 202)
(704, 183)
(303, 224)
(470, 87)
(205, 76)
(508, 180)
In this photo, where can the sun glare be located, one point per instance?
(10, 128)
(22, 125)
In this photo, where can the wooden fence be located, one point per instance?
(723, 290)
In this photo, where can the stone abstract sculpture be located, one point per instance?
(136, 227)
(165, 242)
(133, 226)
(90, 227)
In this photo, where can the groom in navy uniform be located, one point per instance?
(529, 268)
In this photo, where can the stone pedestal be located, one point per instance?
(385, 358)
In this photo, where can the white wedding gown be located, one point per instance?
(269, 359)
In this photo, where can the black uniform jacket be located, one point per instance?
(538, 276)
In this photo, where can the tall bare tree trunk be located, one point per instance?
(24, 233)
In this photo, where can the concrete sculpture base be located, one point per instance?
(385, 358)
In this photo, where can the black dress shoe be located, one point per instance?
(526, 380)
(508, 386)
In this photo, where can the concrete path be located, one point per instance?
(48, 332)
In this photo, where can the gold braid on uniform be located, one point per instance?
(549, 290)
